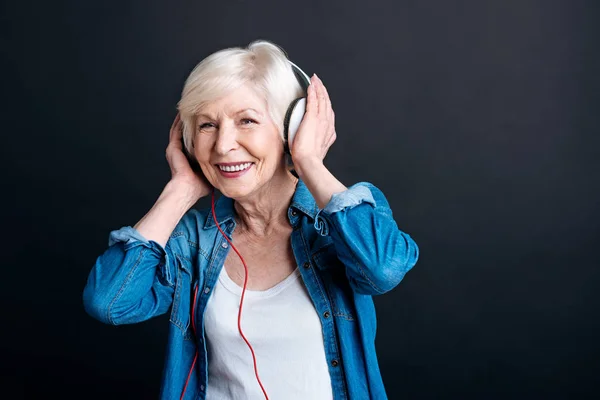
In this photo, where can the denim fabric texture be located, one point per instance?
(347, 252)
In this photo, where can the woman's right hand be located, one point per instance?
(182, 173)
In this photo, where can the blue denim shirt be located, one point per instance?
(347, 252)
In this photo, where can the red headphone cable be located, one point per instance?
(195, 356)
(239, 313)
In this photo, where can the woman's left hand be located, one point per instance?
(316, 132)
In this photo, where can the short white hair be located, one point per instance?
(262, 64)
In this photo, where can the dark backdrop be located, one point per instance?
(478, 120)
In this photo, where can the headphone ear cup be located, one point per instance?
(292, 120)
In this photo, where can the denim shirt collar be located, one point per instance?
(302, 201)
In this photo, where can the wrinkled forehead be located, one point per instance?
(244, 99)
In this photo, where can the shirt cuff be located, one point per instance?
(127, 235)
(349, 198)
(132, 238)
(352, 197)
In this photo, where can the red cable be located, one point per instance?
(242, 299)
(239, 313)
(196, 356)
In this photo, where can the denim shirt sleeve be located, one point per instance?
(375, 252)
(339, 201)
(132, 281)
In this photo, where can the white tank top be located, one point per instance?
(284, 329)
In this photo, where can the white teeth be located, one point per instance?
(235, 168)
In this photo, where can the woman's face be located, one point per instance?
(237, 144)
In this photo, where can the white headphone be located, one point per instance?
(296, 110)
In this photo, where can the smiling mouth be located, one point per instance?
(235, 168)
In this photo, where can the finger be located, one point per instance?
(321, 105)
(327, 99)
(175, 127)
(311, 100)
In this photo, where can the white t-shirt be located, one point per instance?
(284, 329)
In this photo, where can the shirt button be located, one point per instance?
(326, 314)
(334, 363)
(201, 387)
(307, 265)
(224, 245)
(294, 213)
(206, 290)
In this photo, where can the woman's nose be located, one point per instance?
(226, 139)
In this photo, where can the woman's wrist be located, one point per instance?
(319, 180)
(188, 193)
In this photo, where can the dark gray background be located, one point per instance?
(478, 120)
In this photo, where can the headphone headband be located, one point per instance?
(302, 76)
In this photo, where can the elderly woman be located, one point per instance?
(289, 313)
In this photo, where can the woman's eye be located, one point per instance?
(206, 125)
(247, 121)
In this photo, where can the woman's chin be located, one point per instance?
(237, 190)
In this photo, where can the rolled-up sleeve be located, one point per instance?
(133, 280)
(376, 253)
(126, 234)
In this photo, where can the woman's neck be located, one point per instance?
(265, 212)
